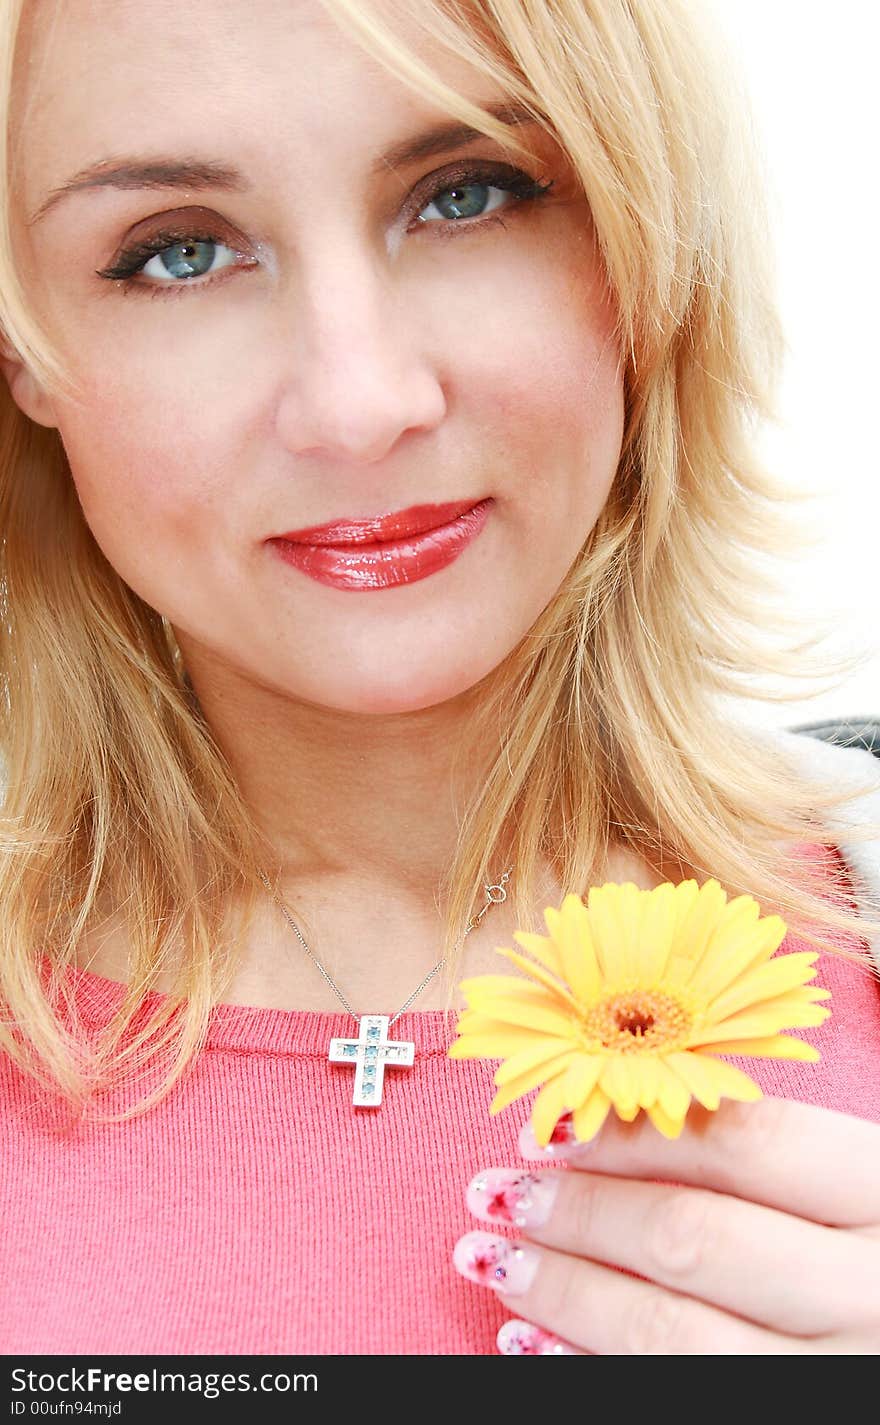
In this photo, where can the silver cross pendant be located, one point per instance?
(371, 1054)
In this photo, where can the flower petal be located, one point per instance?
(778, 1046)
(581, 1078)
(673, 1096)
(480, 988)
(556, 987)
(470, 1022)
(647, 1070)
(695, 1072)
(633, 904)
(669, 1127)
(615, 936)
(788, 1012)
(733, 920)
(528, 1081)
(533, 1016)
(766, 981)
(677, 975)
(577, 949)
(686, 896)
(699, 924)
(656, 933)
(539, 1051)
(547, 1110)
(541, 947)
(619, 1080)
(628, 1113)
(739, 942)
(642, 1073)
(588, 1119)
(710, 1079)
(500, 1044)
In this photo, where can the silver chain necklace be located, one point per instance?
(373, 1052)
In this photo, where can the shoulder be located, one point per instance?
(852, 769)
(849, 768)
(849, 754)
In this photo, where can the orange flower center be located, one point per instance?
(642, 1021)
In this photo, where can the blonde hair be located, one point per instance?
(607, 716)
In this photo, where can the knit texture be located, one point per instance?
(255, 1211)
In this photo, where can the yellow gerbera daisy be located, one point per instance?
(631, 997)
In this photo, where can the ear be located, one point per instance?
(24, 388)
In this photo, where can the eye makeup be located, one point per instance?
(128, 264)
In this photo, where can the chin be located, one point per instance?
(397, 693)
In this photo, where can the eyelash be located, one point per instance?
(131, 260)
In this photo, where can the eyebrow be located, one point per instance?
(162, 172)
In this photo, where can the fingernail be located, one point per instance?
(498, 1262)
(562, 1137)
(520, 1199)
(521, 1338)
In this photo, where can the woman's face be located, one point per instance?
(325, 337)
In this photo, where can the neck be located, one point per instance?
(336, 793)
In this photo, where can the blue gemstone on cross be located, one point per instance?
(371, 1054)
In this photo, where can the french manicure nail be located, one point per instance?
(521, 1338)
(520, 1199)
(498, 1262)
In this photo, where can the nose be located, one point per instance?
(359, 374)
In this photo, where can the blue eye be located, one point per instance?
(175, 258)
(467, 195)
(192, 258)
(179, 258)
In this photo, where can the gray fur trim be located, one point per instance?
(850, 768)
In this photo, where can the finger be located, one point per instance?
(771, 1268)
(524, 1338)
(809, 1161)
(605, 1312)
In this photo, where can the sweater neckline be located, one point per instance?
(257, 1028)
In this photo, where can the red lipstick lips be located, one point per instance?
(398, 525)
(396, 548)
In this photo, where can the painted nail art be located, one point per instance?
(520, 1199)
(562, 1137)
(521, 1338)
(564, 1130)
(498, 1262)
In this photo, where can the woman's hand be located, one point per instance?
(761, 1237)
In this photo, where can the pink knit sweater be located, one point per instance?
(256, 1212)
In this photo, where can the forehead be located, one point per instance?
(98, 77)
(113, 41)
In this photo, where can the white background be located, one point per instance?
(812, 73)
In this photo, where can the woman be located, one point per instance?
(379, 508)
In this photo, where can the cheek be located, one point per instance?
(149, 439)
(546, 395)
(143, 478)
